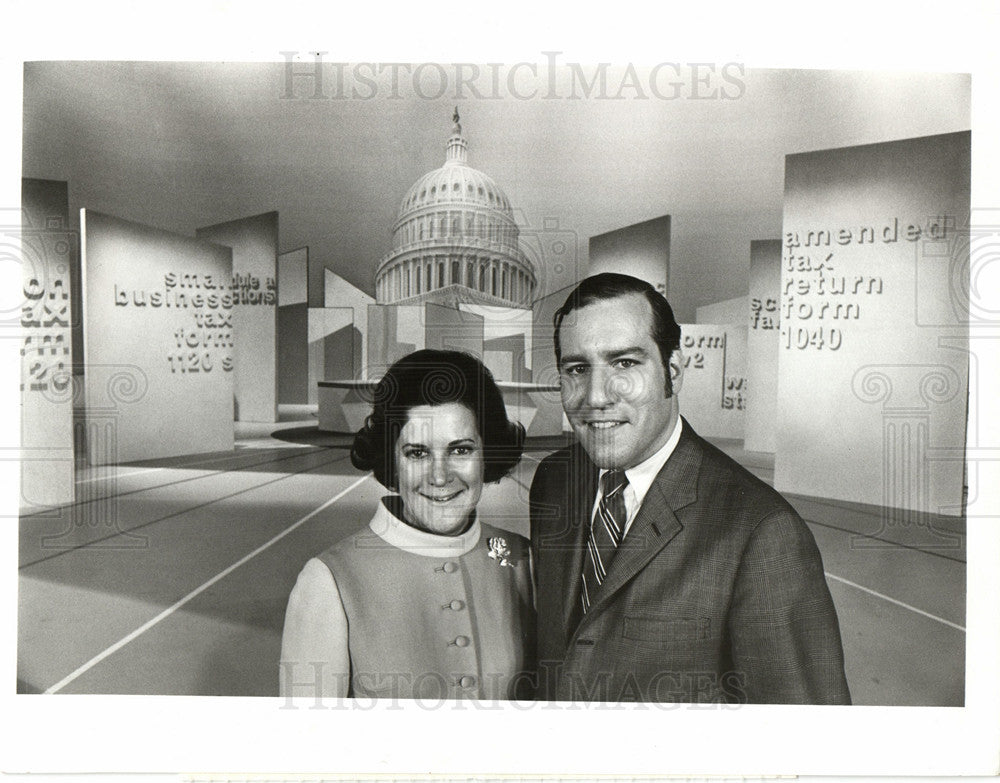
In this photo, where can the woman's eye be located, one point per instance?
(627, 363)
(462, 451)
(415, 453)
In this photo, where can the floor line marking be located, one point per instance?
(117, 475)
(894, 601)
(898, 544)
(179, 512)
(179, 466)
(197, 591)
(207, 474)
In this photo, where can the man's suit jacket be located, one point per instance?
(716, 594)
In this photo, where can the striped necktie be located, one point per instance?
(606, 531)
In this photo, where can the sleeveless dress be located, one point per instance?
(396, 612)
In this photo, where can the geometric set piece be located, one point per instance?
(344, 405)
(158, 342)
(337, 292)
(292, 328)
(713, 393)
(762, 344)
(48, 249)
(873, 368)
(333, 343)
(641, 250)
(254, 243)
(729, 311)
(506, 341)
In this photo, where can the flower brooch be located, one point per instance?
(500, 552)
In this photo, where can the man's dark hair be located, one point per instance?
(432, 377)
(666, 332)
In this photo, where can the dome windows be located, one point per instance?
(455, 227)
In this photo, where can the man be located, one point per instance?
(665, 571)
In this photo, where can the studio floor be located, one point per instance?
(171, 576)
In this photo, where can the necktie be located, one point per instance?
(606, 531)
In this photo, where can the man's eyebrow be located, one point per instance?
(610, 356)
(634, 349)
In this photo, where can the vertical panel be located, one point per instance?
(873, 373)
(339, 293)
(48, 252)
(331, 345)
(158, 342)
(728, 311)
(714, 390)
(507, 341)
(641, 250)
(762, 344)
(543, 356)
(292, 282)
(293, 354)
(293, 327)
(393, 332)
(446, 328)
(254, 242)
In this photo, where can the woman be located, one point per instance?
(427, 601)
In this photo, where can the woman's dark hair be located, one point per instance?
(432, 377)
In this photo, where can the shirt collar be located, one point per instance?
(641, 477)
(391, 529)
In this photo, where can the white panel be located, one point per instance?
(729, 311)
(762, 344)
(254, 242)
(327, 320)
(338, 292)
(158, 342)
(873, 372)
(46, 247)
(505, 322)
(713, 393)
(292, 276)
(641, 250)
(323, 321)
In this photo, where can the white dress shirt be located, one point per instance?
(640, 478)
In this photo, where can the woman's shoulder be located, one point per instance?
(314, 584)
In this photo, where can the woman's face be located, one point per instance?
(439, 467)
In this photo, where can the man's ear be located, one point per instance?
(675, 368)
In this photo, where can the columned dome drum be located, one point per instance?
(455, 240)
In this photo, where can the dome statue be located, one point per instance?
(455, 240)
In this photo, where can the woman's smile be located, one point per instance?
(439, 467)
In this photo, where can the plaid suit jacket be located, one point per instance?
(717, 593)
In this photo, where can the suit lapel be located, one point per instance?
(580, 500)
(656, 524)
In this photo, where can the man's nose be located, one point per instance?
(600, 389)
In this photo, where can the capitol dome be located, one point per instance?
(455, 240)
